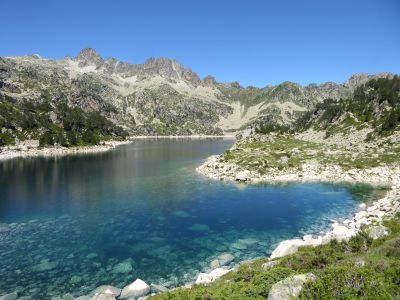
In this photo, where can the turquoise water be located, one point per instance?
(141, 210)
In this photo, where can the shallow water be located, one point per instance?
(141, 210)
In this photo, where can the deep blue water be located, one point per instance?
(141, 210)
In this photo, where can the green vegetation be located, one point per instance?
(54, 124)
(375, 104)
(266, 128)
(358, 269)
(284, 151)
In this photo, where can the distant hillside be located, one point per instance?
(374, 105)
(159, 97)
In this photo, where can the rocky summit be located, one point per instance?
(158, 97)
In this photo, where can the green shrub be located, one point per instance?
(46, 139)
(6, 139)
(348, 282)
(90, 138)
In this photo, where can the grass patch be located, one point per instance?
(285, 152)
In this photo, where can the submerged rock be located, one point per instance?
(102, 297)
(68, 297)
(289, 288)
(4, 228)
(123, 267)
(11, 296)
(181, 214)
(75, 279)
(45, 265)
(136, 289)
(222, 260)
(156, 288)
(199, 227)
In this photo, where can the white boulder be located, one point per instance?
(218, 272)
(204, 278)
(286, 247)
(242, 176)
(136, 289)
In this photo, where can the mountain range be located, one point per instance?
(160, 96)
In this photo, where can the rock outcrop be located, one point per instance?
(136, 289)
(289, 288)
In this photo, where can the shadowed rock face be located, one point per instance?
(161, 96)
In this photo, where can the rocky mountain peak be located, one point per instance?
(89, 57)
(169, 68)
(359, 79)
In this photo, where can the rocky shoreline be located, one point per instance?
(214, 167)
(32, 149)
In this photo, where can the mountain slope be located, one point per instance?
(159, 97)
(374, 107)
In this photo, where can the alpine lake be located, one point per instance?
(72, 223)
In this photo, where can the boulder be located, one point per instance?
(203, 278)
(269, 264)
(377, 231)
(123, 267)
(286, 247)
(222, 260)
(218, 272)
(310, 241)
(4, 227)
(68, 296)
(11, 296)
(156, 288)
(45, 265)
(342, 232)
(225, 259)
(242, 176)
(214, 264)
(102, 296)
(106, 289)
(136, 289)
(290, 287)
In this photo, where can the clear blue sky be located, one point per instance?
(252, 42)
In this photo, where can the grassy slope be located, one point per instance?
(285, 151)
(358, 269)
